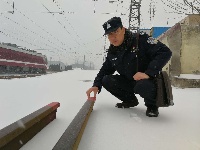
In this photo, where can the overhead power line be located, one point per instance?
(60, 8)
(193, 6)
(27, 29)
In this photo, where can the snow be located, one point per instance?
(189, 76)
(177, 127)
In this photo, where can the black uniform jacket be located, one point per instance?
(152, 57)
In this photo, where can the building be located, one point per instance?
(183, 39)
(157, 31)
(56, 66)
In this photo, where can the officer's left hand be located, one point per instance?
(140, 76)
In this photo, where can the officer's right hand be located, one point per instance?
(92, 89)
(140, 76)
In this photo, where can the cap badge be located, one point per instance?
(108, 26)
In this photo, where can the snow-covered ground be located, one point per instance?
(177, 127)
(189, 76)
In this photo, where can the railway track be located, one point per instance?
(11, 76)
(17, 134)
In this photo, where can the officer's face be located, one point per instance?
(116, 38)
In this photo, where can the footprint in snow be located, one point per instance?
(135, 117)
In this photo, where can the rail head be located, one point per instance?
(22, 128)
(72, 135)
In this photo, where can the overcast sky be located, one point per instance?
(78, 31)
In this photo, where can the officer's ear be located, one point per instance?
(123, 30)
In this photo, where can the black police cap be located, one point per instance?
(112, 25)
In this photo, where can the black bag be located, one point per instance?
(164, 96)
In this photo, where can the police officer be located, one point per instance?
(137, 68)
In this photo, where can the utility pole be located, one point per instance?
(134, 16)
(192, 8)
(84, 62)
(134, 21)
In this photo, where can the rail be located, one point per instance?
(72, 135)
(15, 135)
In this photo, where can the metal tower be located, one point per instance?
(134, 17)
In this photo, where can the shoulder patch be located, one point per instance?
(151, 40)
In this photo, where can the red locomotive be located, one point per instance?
(17, 60)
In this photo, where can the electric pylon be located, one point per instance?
(134, 16)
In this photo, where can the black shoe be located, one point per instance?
(127, 104)
(152, 112)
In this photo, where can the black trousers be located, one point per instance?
(125, 89)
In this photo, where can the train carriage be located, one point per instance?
(17, 60)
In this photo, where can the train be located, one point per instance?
(19, 60)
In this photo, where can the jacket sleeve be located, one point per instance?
(106, 69)
(159, 55)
